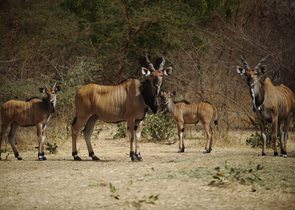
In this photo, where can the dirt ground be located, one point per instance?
(164, 180)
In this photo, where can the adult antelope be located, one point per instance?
(33, 112)
(191, 113)
(128, 101)
(271, 103)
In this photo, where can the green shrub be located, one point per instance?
(137, 203)
(159, 127)
(52, 148)
(255, 140)
(121, 131)
(15, 89)
(227, 174)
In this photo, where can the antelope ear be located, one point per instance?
(42, 89)
(261, 69)
(167, 71)
(240, 70)
(145, 71)
(57, 88)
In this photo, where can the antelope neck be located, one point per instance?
(149, 93)
(170, 105)
(257, 95)
(49, 106)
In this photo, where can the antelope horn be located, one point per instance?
(245, 63)
(54, 86)
(162, 64)
(261, 61)
(149, 62)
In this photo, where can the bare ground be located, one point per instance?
(164, 180)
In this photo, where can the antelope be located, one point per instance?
(271, 103)
(32, 112)
(191, 113)
(128, 101)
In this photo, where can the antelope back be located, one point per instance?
(32, 111)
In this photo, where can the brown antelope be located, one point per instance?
(271, 103)
(33, 112)
(191, 113)
(128, 101)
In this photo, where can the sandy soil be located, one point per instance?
(164, 180)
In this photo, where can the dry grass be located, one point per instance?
(164, 180)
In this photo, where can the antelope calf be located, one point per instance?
(273, 104)
(186, 113)
(128, 101)
(33, 112)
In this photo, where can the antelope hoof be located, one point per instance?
(263, 154)
(18, 156)
(42, 158)
(95, 158)
(209, 150)
(275, 154)
(133, 157)
(284, 154)
(77, 158)
(181, 150)
(138, 156)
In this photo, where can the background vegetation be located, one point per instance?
(74, 42)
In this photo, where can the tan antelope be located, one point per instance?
(273, 104)
(128, 101)
(191, 113)
(33, 112)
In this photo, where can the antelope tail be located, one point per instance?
(74, 121)
(215, 116)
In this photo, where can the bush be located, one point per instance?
(159, 127)
(255, 140)
(225, 175)
(52, 148)
(121, 131)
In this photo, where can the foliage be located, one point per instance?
(226, 175)
(137, 202)
(159, 127)
(14, 89)
(122, 30)
(85, 70)
(52, 148)
(121, 131)
(3, 151)
(255, 140)
(41, 48)
(114, 192)
(205, 9)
